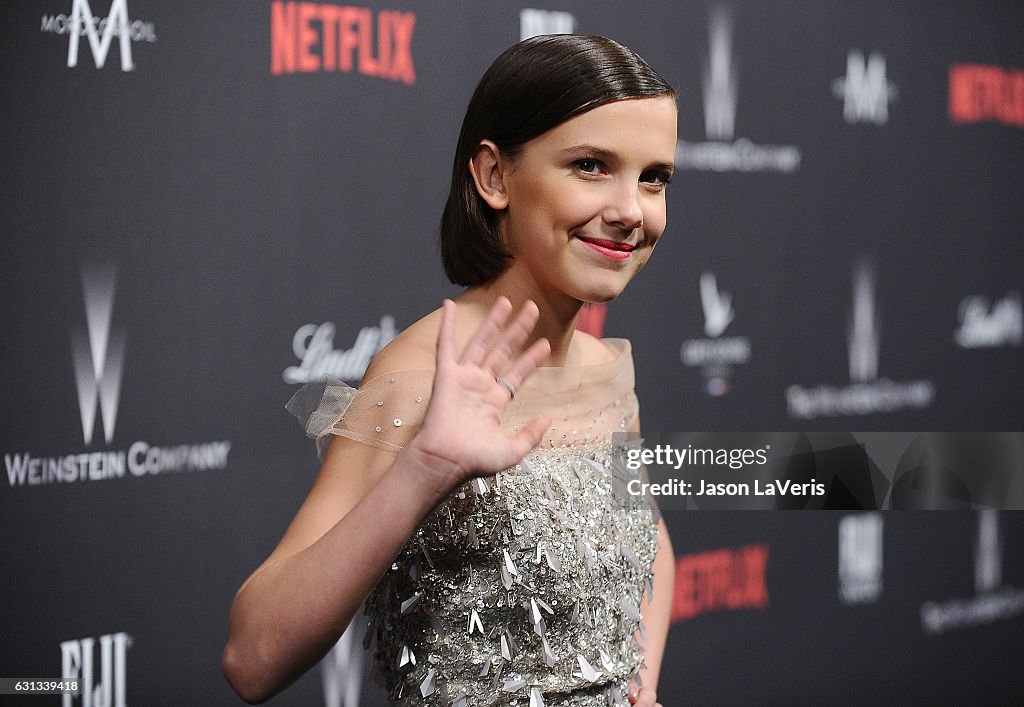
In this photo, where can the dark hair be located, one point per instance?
(532, 87)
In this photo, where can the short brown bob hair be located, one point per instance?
(532, 87)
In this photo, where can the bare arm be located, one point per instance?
(291, 611)
(656, 612)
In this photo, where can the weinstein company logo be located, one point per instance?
(716, 354)
(313, 344)
(993, 600)
(720, 81)
(985, 325)
(867, 393)
(98, 358)
(99, 32)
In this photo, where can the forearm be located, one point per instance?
(657, 612)
(290, 613)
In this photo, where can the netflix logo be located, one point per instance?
(308, 37)
(979, 93)
(720, 580)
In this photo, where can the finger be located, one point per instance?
(523, 366)
(529, 437)
(512, 338)
(648, 698)
(446, 334)
(484, 338)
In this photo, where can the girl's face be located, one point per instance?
(586, 200)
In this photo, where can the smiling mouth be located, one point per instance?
(616, 250)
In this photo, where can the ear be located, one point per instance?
(488, 165)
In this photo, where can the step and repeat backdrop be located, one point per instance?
(206, 205)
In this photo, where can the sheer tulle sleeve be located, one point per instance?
(386, 412)
(586, 404)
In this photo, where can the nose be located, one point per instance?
(623, 210)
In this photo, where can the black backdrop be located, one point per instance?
(186, 240)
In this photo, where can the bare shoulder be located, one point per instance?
(415, 348)
(591, 351)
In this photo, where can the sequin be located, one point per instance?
(530, 579)
(538, 584)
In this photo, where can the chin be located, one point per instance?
(601, 293)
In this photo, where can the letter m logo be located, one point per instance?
(865, 91)
(100, 33)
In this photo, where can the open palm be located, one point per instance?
(462, 425)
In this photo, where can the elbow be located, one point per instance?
(245, 677)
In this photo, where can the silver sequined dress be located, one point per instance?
(524, 588)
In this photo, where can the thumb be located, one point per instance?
(530, 436)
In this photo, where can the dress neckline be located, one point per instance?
(621, 347)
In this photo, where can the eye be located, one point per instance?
(657, 178)
(589, 165)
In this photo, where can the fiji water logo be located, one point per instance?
(860, 558)
(100, 666)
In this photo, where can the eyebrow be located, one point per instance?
(594, 151)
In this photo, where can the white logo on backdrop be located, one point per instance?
(720, 79)
(993, 600)
(77, 663)
(341, 670)
(860, 558)
(715, 354)
(313, 344)
(863, 331)
(865, 90)
(982, 326)
(536, 22)
(720, 84)
(98, 356)
(100, 32)
(866, 393)
(988, 553)
(717, 305)
(98, 353)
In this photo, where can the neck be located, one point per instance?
(558, 315)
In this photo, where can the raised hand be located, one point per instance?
(461, 435)
(646, 697)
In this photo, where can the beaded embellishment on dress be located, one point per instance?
(523, 588)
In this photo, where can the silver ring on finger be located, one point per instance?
(503, 382)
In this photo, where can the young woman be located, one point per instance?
(472, 491)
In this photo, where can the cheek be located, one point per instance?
(655, 219)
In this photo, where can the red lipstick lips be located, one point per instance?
(616, 250)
